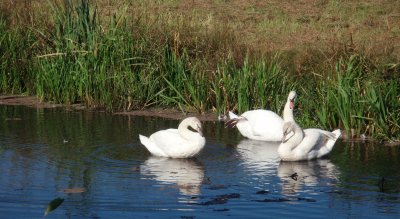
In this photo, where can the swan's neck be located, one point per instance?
(288, 112)
(293, 142)
(183, 130)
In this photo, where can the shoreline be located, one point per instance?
(168, 113)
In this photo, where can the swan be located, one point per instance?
(289, 106)
(263, 125)
(298, 144)
(177, 143)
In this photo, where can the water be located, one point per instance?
(94, 161)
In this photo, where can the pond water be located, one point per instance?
(95, 162)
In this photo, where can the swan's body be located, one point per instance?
(308, 144)
(176, 143)
(263, 125)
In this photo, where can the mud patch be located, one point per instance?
(169, 113)
(31, 101)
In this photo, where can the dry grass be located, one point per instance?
(210, 55)
(306, 31)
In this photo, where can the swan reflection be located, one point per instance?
(187, 174)
(295, 176)
(258, 156)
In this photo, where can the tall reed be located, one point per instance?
(76, 58)
(357, 100)
(16, 48)
(257, 84)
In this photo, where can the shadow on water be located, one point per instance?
(96, 164)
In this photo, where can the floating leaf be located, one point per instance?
(53, 205)
(74, 190)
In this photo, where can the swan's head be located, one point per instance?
(291, 98)
(288, 131)
(194, 124)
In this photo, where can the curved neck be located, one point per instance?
(183, 130)
(295, 140)
(288, 112)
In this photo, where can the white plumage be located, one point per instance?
(176, 143)
(263, 125)
(298, 144)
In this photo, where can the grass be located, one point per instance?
(341, 57)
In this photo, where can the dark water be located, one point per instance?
(95, 162)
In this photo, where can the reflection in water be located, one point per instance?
(258, 156)
(187, 174)
(296, 176)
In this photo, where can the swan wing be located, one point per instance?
(151, 146)
(167, 140)
(175, 146)
(327, 134)
(319, 142)
(312, 140)
(265, 123)
(162, 142)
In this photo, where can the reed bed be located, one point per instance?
(120, 64)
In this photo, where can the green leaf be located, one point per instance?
(53, 205)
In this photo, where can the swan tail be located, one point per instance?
(337, 133)
(231, 123)
(332, 137)
(233, 120)
(232, 115)
(151, 147)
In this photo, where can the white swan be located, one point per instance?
(263, 125)
(308, 144)
(177, 143)
(289, 106)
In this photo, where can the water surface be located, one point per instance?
(95, 162)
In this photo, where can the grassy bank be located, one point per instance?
(197, 58)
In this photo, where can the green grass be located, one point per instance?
(15, 52)
(125, 62)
